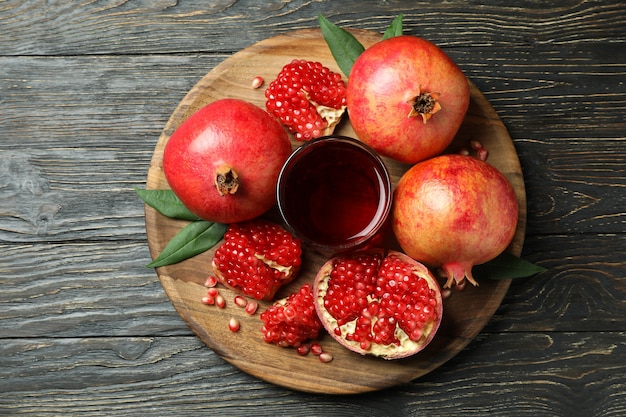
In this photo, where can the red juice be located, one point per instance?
(334, 192)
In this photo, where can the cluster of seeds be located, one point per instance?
(298, 91)
(257, 258)
(293, 320)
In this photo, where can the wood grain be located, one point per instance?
(465, 314)
(85, 90)
(179, 375)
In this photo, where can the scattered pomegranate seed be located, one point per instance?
(208, 300)
(233, 324)
(240, 301)
(316, 348)
(483, 154)
(210, 282)
(476, 145)
(464, 152)
(257, 82)
(303, 349)
(445, 293)
(252, 307)
(213, 292)
(220, 302)
(325, 357)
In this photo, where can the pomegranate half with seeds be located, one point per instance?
(406, 98)
(378, 302)
(454, 212)
(223, 161)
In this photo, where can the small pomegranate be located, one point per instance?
(406, 98)
(380, 303)
(453, 212)
(308, 98)
(223, 161)
(257, 258)
(292, 320)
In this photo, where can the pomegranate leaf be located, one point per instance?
(166, 203)
(506, 266)
(395, 28)
(344, 47)
(191, 240)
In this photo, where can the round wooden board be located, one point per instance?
(465, 313)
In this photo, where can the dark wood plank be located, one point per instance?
(577, 374)
(83, 289)
(147, 27)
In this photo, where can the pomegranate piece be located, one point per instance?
(379, 303)
(406, 98)
(291, 320)
(223, 161)
(454, 212)
(308, 98)
(257, 258)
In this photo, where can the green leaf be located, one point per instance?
(193, 239)
(506, 266)
(344, 47)
(395, 28)
(166, 203)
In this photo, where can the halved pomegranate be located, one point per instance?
(378, 302)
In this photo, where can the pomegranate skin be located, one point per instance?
(453, 212)
(227, 135)
(385, 79)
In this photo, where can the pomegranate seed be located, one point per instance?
(476, 145)
(446, 293)
(233, 324)
(240, 301)
(210, 282)
(220, 302)
(483, 154)
(316, 348)
(208, 300)
(251, 307)
(303, 349)
(464, 152)
(325, 357)
(257, 82)
(213, 292)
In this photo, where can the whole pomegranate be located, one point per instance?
(223, 161)
(380, 303)
(406, 98)
(453, 212)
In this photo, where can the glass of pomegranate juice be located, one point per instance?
(334, 193)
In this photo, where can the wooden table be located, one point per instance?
(85, 90)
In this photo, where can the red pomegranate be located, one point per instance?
(406, 98)
(378, 303)
(223, 161)
(454, 212)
